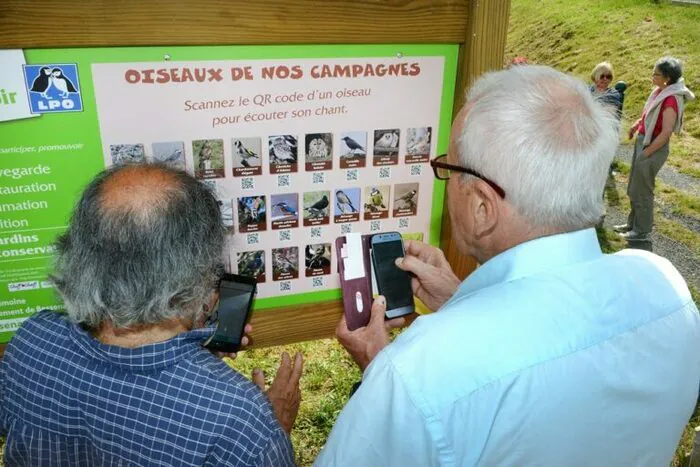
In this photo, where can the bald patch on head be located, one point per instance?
(561, 113)
(138, 189)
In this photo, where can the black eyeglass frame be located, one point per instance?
(437, 164)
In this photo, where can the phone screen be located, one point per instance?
(392, 282)
(234, 305)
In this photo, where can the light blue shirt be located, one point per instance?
(550, 354)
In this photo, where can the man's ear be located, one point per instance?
(484, 207)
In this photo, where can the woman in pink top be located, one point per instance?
(663, 114)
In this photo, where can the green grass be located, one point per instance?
(683, 203)
(575, 35)
(329, 374)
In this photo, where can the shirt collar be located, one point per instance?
(541, 254)
(147, 358)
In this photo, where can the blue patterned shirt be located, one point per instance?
(67, 399)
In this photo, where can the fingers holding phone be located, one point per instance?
(284, 393)
(433, 281)
(365, 343)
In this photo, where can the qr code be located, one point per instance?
(253, 238)
(285, 286)
(318, 178)
(345, 229)
(247, 183)
(284, 181)
(285, 235)
(317, 282)
(351, 175)
(403, 223)
(375, 226)
(385, 172)
(316, 232)
(416, 170)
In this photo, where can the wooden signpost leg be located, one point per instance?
(481, 51)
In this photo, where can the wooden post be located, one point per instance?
(482, 51)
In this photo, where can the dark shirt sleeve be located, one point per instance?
(3, 427)
(277, 452)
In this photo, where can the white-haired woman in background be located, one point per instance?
(663, 115)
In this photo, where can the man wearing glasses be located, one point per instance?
(551, 353)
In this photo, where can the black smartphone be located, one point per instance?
(235, 303)
(392, 282)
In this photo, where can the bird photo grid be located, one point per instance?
(286, 190)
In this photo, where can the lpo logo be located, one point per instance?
(53, 88)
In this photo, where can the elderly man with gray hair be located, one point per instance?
(551, 353)
(122, 378)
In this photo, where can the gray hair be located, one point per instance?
(140, 264)
(545, 140)
(671, 68)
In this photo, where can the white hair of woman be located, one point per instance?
(541, 136)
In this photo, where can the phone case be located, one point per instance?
(354, 289)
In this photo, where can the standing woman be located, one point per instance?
(602, 76)
(663, 115)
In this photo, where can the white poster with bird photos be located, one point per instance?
(297, 151)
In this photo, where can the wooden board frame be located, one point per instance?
(479, 26)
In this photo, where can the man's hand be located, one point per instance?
(284, 393)
(433, 282)
(363, 344)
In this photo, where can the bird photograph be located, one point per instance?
(352, 145)
(374, 198)
(208, 155)
(316, 204)
(318, 256)
(319, 147)
(251, 211)
(386, 141)
(283, 149)
(127, 153)
(406, 196)
(285, 261)
(284, 207)
(346, 200)
(171, 154)
(418, 141)
(246, 152)
(251, 263)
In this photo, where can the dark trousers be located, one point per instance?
(640, 188)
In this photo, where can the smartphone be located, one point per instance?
(235, 303)
(392, 282)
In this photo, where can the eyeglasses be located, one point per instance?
(608, 77)
(443, 170)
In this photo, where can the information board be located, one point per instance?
(300, 145)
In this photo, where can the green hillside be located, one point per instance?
(575, 35)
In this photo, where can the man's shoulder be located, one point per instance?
(529, 321)
(216, 383)
(45, 329)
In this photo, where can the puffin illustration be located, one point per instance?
(42, 82)
(61, 82)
